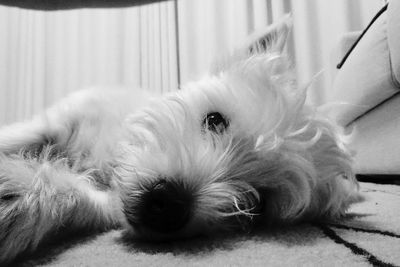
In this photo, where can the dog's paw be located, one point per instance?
(16, 214)
(13, 186)
(10, 191)
(12, 229)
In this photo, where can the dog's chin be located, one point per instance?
(200, 226)
(141, 232)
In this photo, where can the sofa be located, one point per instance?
(365, 95)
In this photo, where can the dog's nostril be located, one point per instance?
(166, 206)
(157, 205)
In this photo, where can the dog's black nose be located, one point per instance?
(166, 206)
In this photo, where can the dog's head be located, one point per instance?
(223, 151)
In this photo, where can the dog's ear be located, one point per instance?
(271, 40)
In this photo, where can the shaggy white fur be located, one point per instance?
(236, 149)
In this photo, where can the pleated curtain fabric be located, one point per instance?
(45, 55)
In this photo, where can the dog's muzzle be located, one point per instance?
(164, 207)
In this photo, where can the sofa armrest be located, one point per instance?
(366, 78)
(339, 51)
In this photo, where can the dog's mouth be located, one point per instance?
(167, 210)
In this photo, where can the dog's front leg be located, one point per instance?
(94, 109)
(22, 135)
(41, 198)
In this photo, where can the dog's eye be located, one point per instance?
(215, 122)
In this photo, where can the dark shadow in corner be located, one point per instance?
(379, 178)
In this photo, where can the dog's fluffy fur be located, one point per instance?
(95, 160)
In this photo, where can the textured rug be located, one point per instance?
(369, 237)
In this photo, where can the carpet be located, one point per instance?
(370, 236)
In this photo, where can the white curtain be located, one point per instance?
(46, 55)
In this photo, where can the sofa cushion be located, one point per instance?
(366, 79)
(375, 139)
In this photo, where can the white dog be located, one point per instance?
(235, 149)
